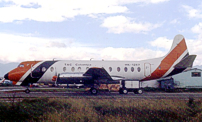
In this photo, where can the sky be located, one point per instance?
(97, 29)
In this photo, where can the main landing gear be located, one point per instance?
(93, 91)
(94, 87)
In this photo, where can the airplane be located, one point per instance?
(93, 72)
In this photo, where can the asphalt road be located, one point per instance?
(102, 95)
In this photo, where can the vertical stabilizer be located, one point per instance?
(179, 45)
(176, 61)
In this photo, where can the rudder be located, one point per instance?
(179, 43)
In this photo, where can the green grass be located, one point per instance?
(101, 110)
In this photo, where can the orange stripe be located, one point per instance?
(16, 74)
(168, 61)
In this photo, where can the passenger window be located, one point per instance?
(73, 69)
(132, 69)
(125, 69)
(51, 69)
(64, 69)
(118, 69)
(110, 69)
(138, 69)
(79, 69)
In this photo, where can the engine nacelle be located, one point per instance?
(72, 78)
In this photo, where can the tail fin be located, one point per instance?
(179, 47)
(176, 61)
(178, 57)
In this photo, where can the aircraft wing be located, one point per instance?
(98, 74)
(92, 75)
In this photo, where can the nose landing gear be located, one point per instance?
(27, 91)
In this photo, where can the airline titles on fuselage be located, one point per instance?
(132, 64)
(78, 64)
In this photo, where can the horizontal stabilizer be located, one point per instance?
(186, 62)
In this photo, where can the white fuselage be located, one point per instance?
(133, 70)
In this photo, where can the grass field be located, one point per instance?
(101, 110)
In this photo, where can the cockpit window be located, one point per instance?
(21, 65)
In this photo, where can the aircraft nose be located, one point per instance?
(6, 76)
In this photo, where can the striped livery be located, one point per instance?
(176, 61)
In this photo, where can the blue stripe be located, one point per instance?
(37, 73)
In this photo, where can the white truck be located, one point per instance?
(130, 86)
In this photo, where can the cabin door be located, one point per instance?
(147, 69)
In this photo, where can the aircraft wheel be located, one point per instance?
(125, 91)
(93, 91)
(27, 91)
(138, 91)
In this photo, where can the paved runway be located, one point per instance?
(102, 95)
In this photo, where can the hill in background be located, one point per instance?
(5, 68)
(198, 67)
